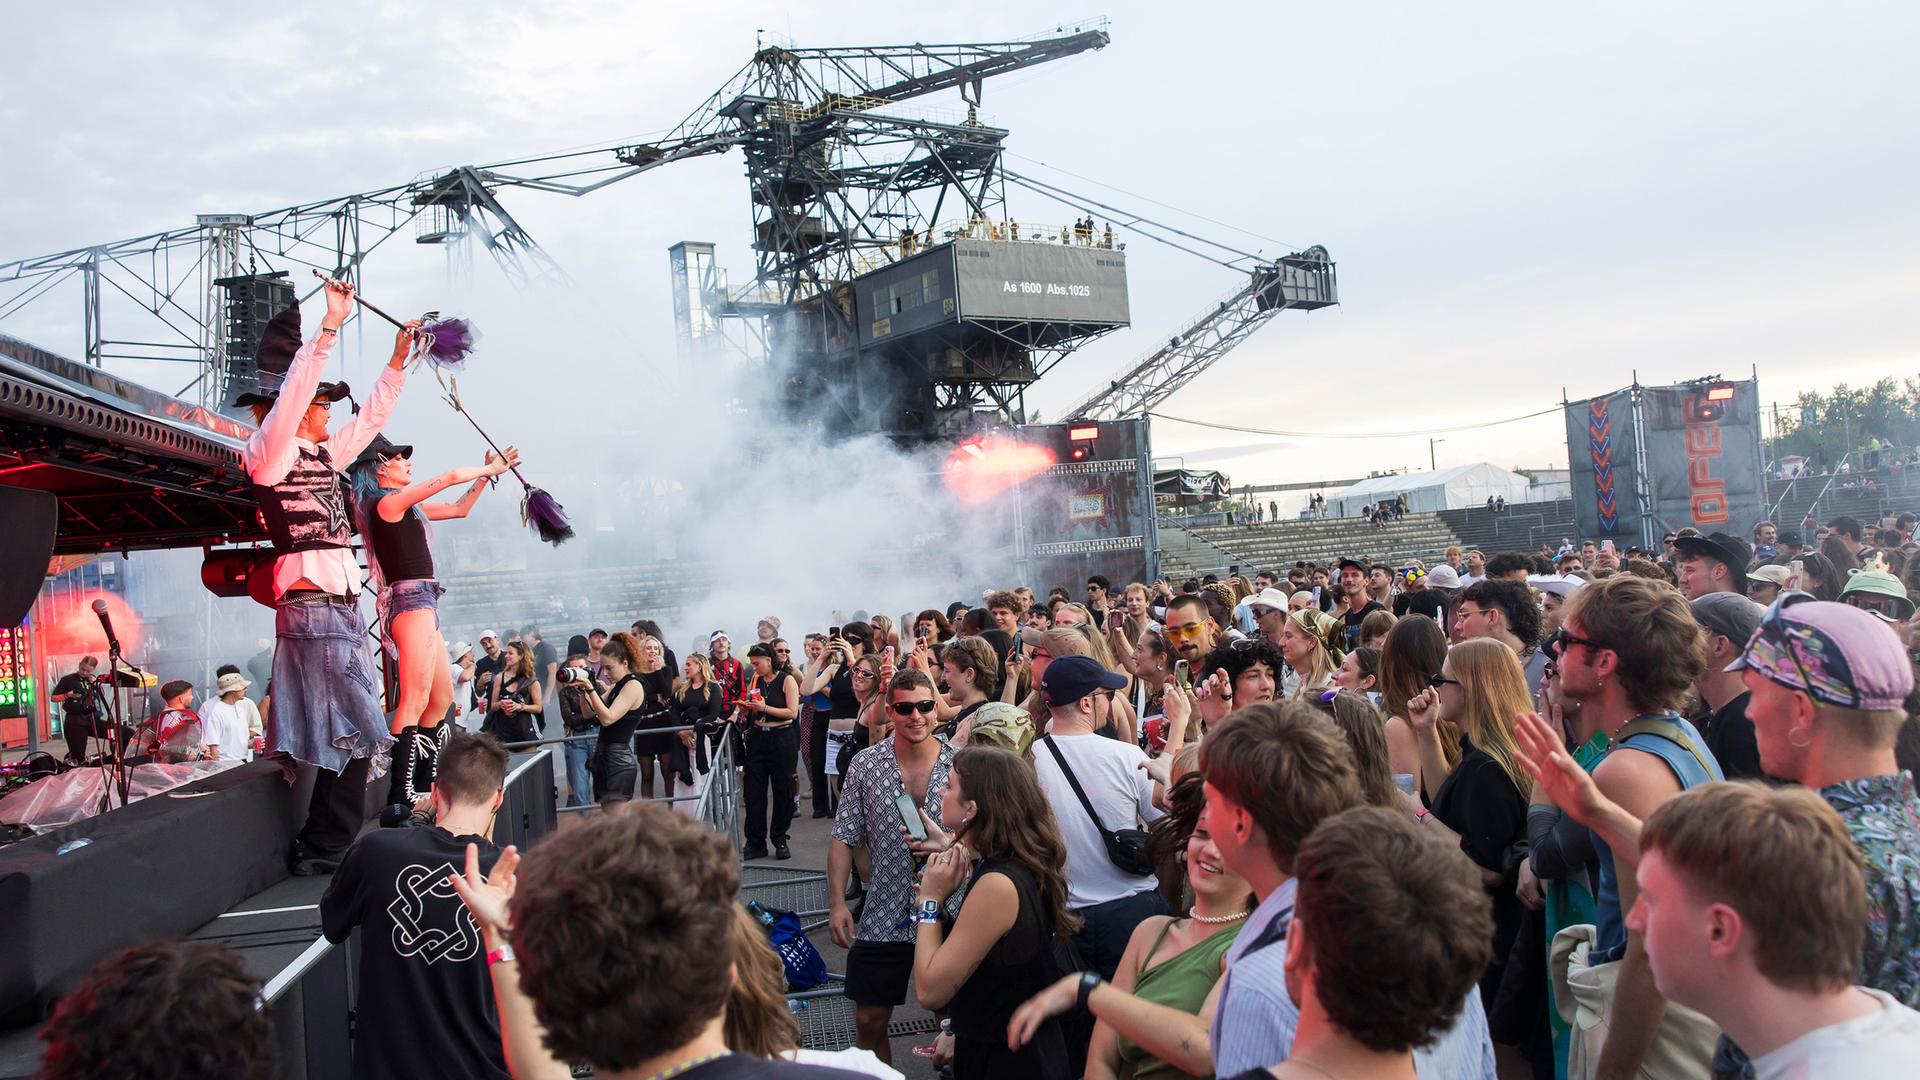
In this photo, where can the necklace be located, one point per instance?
(1216, 920)
(676, 1070)
(1309, 1064)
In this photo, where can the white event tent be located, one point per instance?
(1457, 488)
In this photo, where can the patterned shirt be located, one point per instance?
(1883, 817)
(868, 817)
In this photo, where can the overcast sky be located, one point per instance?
(1522, 198)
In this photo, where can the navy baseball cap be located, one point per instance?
(1070, 678)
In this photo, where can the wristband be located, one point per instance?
(929, 911)
(501, 955)
(1088, 980)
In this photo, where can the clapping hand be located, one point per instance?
(502, 462)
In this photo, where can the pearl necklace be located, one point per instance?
(1216, 920)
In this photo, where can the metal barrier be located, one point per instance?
(718, 801)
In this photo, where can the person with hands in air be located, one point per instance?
(327, 709)
(393, 512)
(1003, 946)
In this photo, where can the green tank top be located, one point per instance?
(1182, 983)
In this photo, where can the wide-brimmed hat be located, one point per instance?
(1443, 577)
(232, 681)
(457, 650)
(327, 391)
(1724, 548)
(1560, 585)
(1872, 583)
(1268, 598)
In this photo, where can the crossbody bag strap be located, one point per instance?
(1074, 782)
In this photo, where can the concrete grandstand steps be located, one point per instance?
(1520, 527)
(615, 597)
(1278, 545)
(1183, 554)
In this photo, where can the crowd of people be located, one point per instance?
(1573, 812)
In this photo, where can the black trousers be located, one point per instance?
(771, 759)
(817, 764)
(76, 729)
(336, 811)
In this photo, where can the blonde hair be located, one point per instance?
(700, 661)
(1493, 691)
(1325, 659)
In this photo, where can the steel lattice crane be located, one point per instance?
(838, 173)
(1303, 281)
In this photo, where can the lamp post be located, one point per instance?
(1431, 443)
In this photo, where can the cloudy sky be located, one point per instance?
(1524, 200)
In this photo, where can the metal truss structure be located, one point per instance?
(1303, 281)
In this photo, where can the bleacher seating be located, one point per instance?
(1520, 527)
(1280, 544)
(617, 595)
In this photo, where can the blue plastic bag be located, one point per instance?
(806, 968)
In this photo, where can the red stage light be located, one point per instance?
(1079, 453)
(983, 468)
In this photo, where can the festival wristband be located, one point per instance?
(929, 911)
(1089, 980)
(501, 955)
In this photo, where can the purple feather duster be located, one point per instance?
(547, 517)
(453, 342)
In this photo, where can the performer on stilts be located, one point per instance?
(326, 703)
(393, 513)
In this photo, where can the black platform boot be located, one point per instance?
(411, 749)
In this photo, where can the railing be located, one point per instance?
(718, 802)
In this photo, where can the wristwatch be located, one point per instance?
(1088, 980)
(929, 911)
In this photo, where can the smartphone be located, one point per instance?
(1113, 619)
(1799, 570)
(910, 816)
(1181, 676)
(1234, 570)
(832, 632)
(1607, 546)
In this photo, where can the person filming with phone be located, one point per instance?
(910, 764)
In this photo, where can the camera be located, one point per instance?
(573, 677)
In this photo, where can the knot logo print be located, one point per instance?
(429, 921)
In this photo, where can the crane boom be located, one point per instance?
(1303, 281)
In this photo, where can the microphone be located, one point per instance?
(106, 623)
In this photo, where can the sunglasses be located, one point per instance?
(1437, 680)
(863, 673)
(782, 652)
(1189, 631)
(908, 708)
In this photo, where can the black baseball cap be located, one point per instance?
(1348, 560)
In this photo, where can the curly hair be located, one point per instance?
(1014, 821)
(1515, 603)
(1237, 656)
(182, 1010)
(621, 923)
(1397, 924)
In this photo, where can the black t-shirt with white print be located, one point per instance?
(425, 1004)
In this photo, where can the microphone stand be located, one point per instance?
(115, 767)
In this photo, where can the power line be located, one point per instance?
(1157, 202)
(1082, 202)
(1353, 434)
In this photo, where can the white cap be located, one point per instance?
(485, 634)
(1560, 585)
(1268, 598)
(1443, 577)
(457, 650)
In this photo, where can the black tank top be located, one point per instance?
(774, 691)
(620, 732)
(400, 547)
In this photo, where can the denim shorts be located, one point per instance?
(326, 702)
(414, 595)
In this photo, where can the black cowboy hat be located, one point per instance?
(279, 341)
(1730, 551)
(327, 391)
(380, 447)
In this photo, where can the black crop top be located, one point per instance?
(400, 547)
(621, 731)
